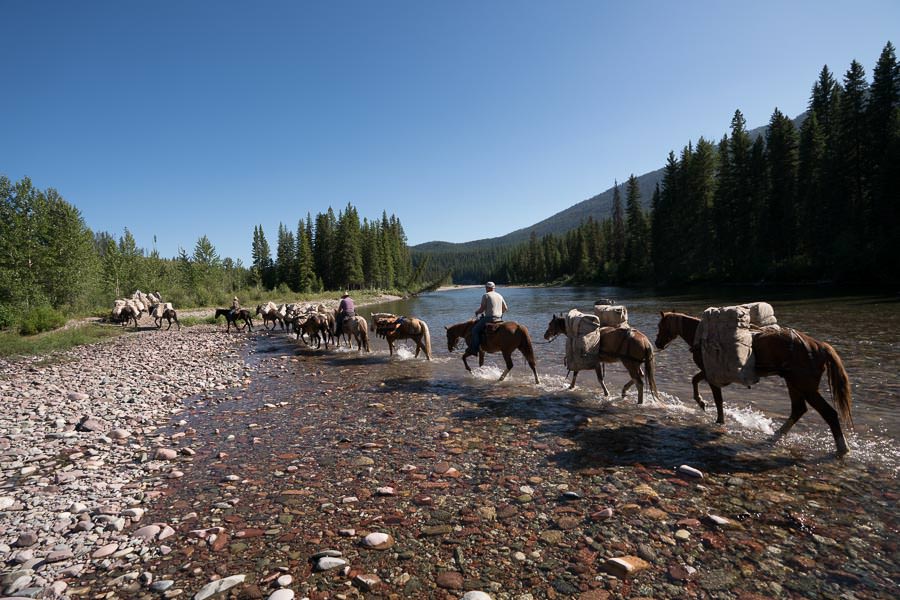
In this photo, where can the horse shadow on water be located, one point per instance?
(609, 434)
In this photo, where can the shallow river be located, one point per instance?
(864, 329)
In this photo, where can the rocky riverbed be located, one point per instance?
(198, 464)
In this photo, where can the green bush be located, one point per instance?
(40, 318)
(6, 317)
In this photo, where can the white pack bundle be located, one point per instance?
(611, 316)
(726, 345)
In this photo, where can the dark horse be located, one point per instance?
(233, 316)
(504, 337)
(315, 325)
(796, 357)
(625, 344)
(169, 315)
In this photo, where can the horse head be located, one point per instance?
(555, 327)
(667, 329)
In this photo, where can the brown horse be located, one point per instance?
(130, 313)
(169, 315)
(505, 337)
(393, 328)
(268, 313)
(794, 356)
(617, 344)
(315, 325)
(233, 316)
(358, 328)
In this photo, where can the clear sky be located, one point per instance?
(467, 119)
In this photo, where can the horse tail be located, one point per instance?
(525, 346)
(426, 337)
(839, 382)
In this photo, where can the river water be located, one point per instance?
(864, 329)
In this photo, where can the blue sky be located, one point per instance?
(466, 119)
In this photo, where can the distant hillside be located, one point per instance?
(599, 207)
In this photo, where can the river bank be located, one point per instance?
(253, 455)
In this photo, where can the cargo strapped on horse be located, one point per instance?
(726, 344)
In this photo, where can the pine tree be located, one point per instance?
(779, 230)
(324, 248)
(262, 259)
(348, 252)
(637, 250)
(617, 243)
(854, 172)
(306, 277)
(284, 258)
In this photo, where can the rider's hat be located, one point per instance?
(489, 284)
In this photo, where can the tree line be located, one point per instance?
(334, 252)
(50, 259)
(814, 203)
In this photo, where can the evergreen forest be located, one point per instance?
(814, 203)
(51, 261)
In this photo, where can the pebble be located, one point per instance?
(327, 563)
(476, 595)
(219, 586)
(282, 594)
(284, 580)
(690, 471)
(378, 541)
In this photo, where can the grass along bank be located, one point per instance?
(81, 332)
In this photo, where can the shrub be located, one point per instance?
(40, 318)
(6, 317)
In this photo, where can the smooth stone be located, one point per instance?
(282, 594)
(165, 454)
(690, 471)
(6, 502)
(367, 581)
(29, 538)
(331, 553)
(284, 580)
(327, 563)
(162, 585)
(476, 595)
(217, 587)
(147, 533)
(119, 434)
(624, 566)
(449, 580)
(104, 551)
(378, 541)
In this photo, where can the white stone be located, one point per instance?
(329, 562)
(376, 540)
(6, 502)
(284, 580)
(217, 587)
(282, 594)
(476, 595)
(690, 471)
(147, 533)
(104, 551)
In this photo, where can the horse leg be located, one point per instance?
(480, 358)
(695, 382)
(798, 409)
(574, 375)
(831, 417)
(717, 398)
(600, 369)
(509, 364)
(465, 362)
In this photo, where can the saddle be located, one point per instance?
(492, 327)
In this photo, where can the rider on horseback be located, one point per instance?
(235, 306)
(345, 309)
(491, 310)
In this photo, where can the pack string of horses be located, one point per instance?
(796, 357)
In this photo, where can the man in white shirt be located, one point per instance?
(491, 310)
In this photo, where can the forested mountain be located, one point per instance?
(809, 199)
